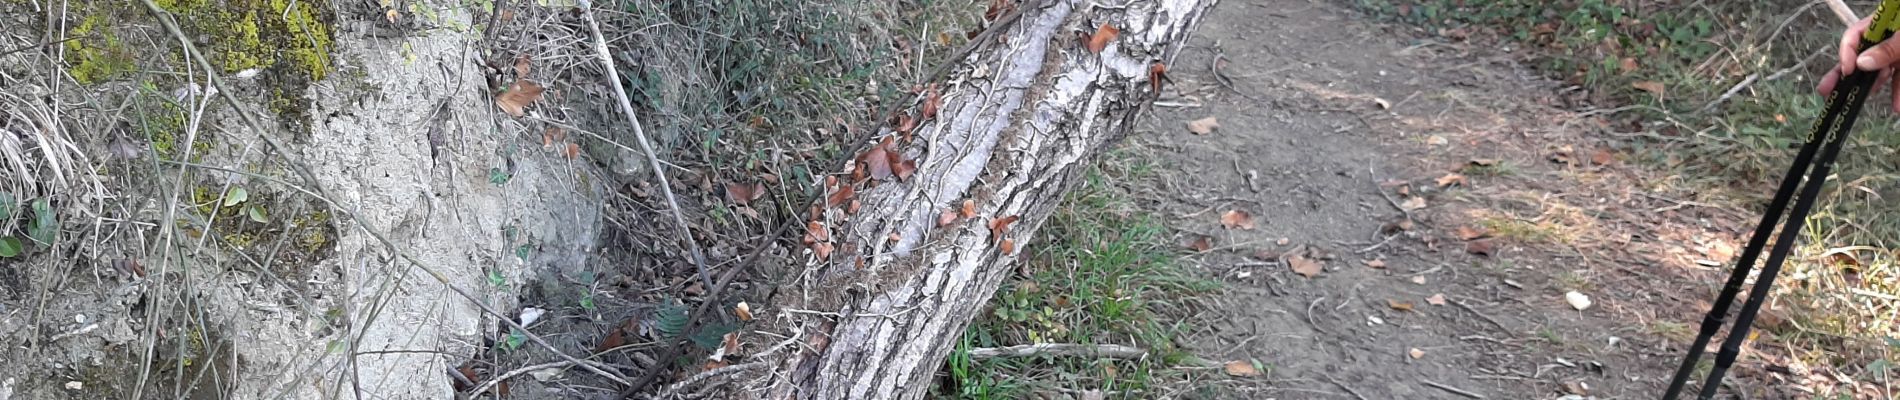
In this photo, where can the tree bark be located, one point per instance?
(1019, 118)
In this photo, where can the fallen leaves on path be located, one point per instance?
(1378, 263)
(1451, 179)
(1199, 243)
(1481, 247)
(1155, 73)
(1398, 305)
(1237, 219)
(1469, 232)
(1305, 266)
(1413, 203)
(1436, 299)
(1418, 279)
(1435, 140)
(1241, 368)
(1649, 86)
(1203, 126)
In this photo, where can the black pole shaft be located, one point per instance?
(1718, 312)
(1860, 84)
(1836, 116)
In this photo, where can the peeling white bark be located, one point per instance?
(1018, 121)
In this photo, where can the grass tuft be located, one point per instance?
(1103, 275)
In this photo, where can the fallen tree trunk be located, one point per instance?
(915, 236)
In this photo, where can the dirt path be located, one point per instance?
(1330, 124)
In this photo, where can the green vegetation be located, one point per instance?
(1670, 63)
(1100, 273)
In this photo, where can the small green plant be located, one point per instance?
(10, 247)
(44, 226)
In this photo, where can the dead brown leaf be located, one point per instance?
(743, 310)
(1412, 203)
(948, 217)
(1241, 368)
(968, 210)
(877, 160)
(1099, 41)
(731, 343)
(519, 95)
(822, 250)
(743, 193)
(817, 232)
(1305, 266)
(904, 169)
(1203, 126)
(1437, 299)
(1378, 263)
(1009, 247)
(1000, 226)
(1629, 64)
(1468, 232)
(1199, 243)
(1398, 305)
(1649, 86)
(1415, 353)
(572, 150)
(1481, 247)
(522, 63)
(1155, 73)
(839, 196)
(614, 339)
(933, 99)
(1451, 179)
(1237, 219)
(1602, 157)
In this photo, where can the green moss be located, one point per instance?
(96, 55)
(240, 240)
(244, 34)
(314, 238)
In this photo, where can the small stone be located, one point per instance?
(75, 385)
(1577, 300)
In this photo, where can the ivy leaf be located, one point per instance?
(44, 226)
(256, 212)
(235, 196)
(6, 206)
(10, 247)
(515, 339)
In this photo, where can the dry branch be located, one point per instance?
(1060, 349)
(892, 278)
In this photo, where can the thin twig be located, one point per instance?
(626, 107)
(1474, 311)
(1355, 393)
(702, 376)
(517, 372)
(293, 159)
(1453, 390)
(1060, 349)
(1841, 10)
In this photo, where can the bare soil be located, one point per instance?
(1333, 128)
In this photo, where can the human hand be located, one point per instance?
(1881, 58)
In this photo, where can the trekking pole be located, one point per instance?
(1843, 107)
